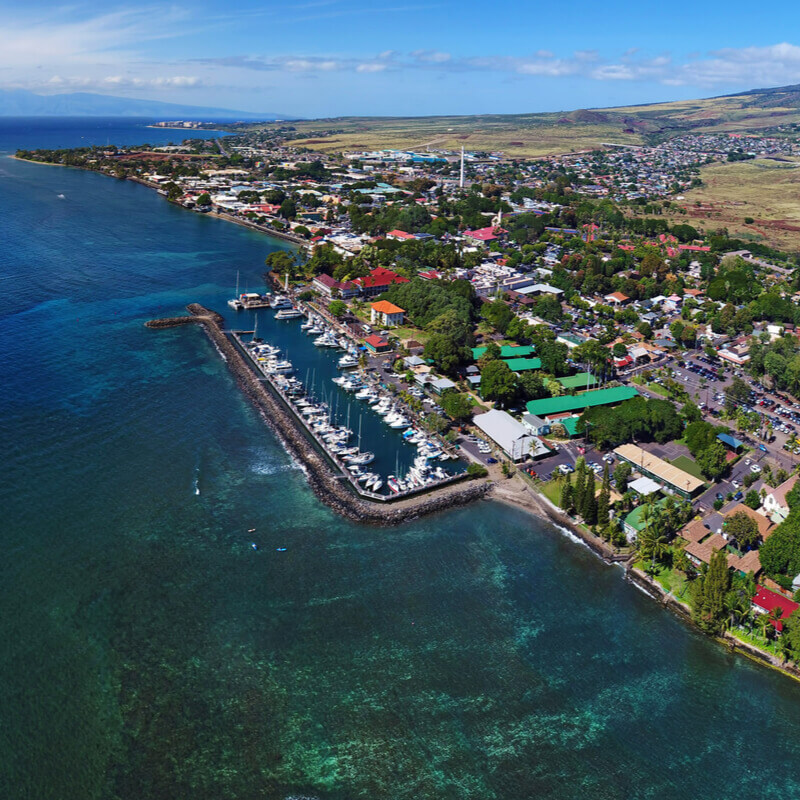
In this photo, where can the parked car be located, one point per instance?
(565, 469)
(755, 469)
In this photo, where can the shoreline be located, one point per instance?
(298, 241)
(531, 502)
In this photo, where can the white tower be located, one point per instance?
(461, 179)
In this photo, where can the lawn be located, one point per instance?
(671, 580)
(410, 333)
(688, 465)
(552, 490)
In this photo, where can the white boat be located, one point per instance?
(347, 362)
(289, 313)
(280, 301)
(235, 303)
(393, 484)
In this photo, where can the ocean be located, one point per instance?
(149, 652)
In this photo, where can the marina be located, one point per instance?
(354, 421)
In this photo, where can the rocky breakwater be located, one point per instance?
(332, 488)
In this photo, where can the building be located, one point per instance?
(386, 314)
(636, 521)
(485, 236)
(581, 380)
(731, 442)
(330, 287)
(377, 344)
(579, 402)
(536, 425)
(775, 505)
(672, 478)
(378, 281)
(506, 351)
(765, 525)
(512, 437)
(766, 601)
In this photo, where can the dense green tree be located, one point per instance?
(713, 461)
(566, 493)
(447, 353)
(337, 308)
(622, 473)
(743, 528)
(709, 601)
(498, 315)
(499, 383)
(589, 511)
(457, 406)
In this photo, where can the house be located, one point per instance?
(766, 601)
(701, 552)
(386, 314)
(512, 437)
(485, 236)
(399, 236)
(636, 521)
(617, 299)
(377, 344)
(775, 505)
(644, 486)
(536, 425)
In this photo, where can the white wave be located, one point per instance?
(573, 537)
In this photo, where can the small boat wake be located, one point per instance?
(196, 479)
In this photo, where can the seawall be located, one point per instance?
(329, 487)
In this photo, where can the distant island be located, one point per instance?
(22, 103)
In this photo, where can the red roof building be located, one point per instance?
(766, 601)
(400, 235)
(377, 344)
(379, 280)
(485, 234)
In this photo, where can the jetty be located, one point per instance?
(324, 477)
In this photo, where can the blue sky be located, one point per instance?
(337, 57)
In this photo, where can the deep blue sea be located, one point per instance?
(147, 651)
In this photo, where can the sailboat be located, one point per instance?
(235, 303)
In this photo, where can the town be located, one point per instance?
(569, 322)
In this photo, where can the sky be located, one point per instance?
(320, 58)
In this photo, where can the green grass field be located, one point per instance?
(688, 465)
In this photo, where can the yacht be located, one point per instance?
(347, 362)
(236, 304)
(280, 301)
(289, 313)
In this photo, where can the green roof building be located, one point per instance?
(524, 364)
(507, 351)
(583, 380)
(579, 402)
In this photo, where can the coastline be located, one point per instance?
(514, 492)
(287, 237)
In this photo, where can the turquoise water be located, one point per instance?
(149, 652)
